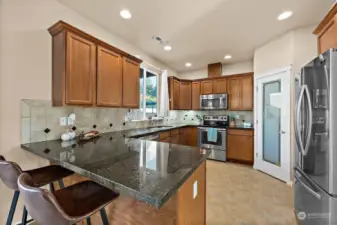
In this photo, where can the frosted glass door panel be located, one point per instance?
(271, 124)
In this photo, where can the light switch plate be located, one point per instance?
(63, 121)
(70, 121)
(195, 189)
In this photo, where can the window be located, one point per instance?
(148, 93)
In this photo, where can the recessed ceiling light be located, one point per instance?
(188, 64)
(285, 15)
(125, 14)
(228, 57)
(167, 47)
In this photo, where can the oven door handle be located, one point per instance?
(204, 128)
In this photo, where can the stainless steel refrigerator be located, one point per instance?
(315, 120)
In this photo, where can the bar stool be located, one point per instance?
(10, 172)
(65, 206)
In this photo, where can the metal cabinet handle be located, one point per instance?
(314, 193)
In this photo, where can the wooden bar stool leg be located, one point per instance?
(61, 184)
(104, 217)
(24, 216)
(52, 188)
(88, 221)
(13, 207)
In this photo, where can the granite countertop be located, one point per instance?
(147, 170)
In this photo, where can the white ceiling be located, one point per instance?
(200, 31)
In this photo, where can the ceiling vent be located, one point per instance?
(158, 39)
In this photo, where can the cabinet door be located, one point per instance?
(247, 94)
(185, 95)
(240, 148)
(328, 38)
(80, 71)
(234, 89)
(195, 95)
(219, 86)
(206, 87)
(109, 78)
(192, 136)
(130, 83)
(176, 91)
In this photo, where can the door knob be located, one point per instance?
(282, 132)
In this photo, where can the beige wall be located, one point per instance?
(25, 69)
(295, 49)
(227, 69)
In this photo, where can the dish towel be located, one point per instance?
(212, 134)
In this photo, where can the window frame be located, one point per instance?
(145, 70)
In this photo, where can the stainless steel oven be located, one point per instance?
(218, 101)
(218, 148)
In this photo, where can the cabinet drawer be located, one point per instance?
(164, 135)
(240, 132)
(174, 132)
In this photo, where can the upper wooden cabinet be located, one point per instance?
(195, 95)
(87, 71)
(234, 88)
(185, 96)
(215, 70)
(80, 70)
(247, 101)
(206, 87)
(131, 96)
(220, 86)
(240, 92)
(109, 78)
(174, 90)
(327, 31)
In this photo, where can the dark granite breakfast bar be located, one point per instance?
(148, 171)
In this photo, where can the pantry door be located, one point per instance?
(272, 123)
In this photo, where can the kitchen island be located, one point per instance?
(159, 183)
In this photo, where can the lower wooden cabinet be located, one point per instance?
(240, 145)
(183, 136)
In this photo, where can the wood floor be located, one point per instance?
(236, 195)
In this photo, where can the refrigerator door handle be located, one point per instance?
(314, 193)
(307, 144)
(298, 122)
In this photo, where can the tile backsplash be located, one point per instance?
(40, 121)
(179, 116)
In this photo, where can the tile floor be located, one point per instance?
(239, 195)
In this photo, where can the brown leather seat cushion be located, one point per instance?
(84, 198)
(45, 175)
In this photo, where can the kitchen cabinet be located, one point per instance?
(240, 92)
(183, 136)
(220, 86)
(185, 95)
(109, 78)
(195, 95)
(240, 145)
(130, 83)
(80, 73)
(174, 89)
(234, 88)
(90, 72)
(206, 87)
(214, 70)
(326, 31)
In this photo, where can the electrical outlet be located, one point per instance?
(63, 121)
(195, 189)
(70, 121)
(237, 117)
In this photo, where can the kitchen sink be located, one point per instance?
(160, 127)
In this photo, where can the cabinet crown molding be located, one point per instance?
(63, 26)
(326, 20)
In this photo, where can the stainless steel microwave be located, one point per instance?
(218, 101)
